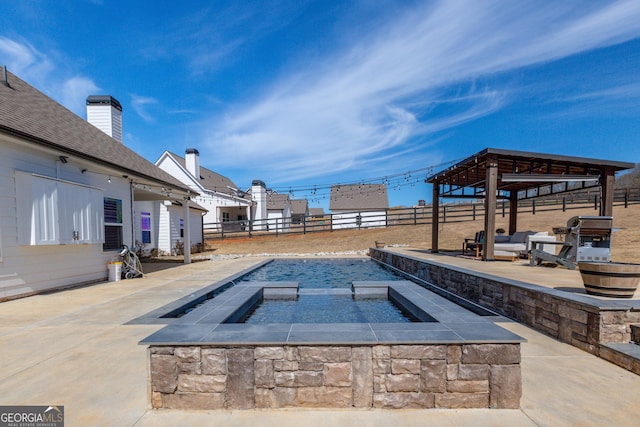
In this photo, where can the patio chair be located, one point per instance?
(475, 243)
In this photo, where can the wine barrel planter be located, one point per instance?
(380, 244)
(610, 279)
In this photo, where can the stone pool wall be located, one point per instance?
(584, 322)
(336, 376)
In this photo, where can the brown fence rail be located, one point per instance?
(454, 212)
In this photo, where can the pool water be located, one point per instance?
(321, 273)
(327, 309)
(325, 293)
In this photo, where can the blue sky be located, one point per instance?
(304, 94)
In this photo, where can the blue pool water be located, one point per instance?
(327, 309)
(321, 273)
(330, 303)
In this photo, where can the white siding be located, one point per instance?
(209, 200)
(24, 268)
(106, 118)
(165, 225)
(373, 219)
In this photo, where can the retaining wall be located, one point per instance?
(579, 320)
(379, 376)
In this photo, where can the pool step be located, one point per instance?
(327, 291)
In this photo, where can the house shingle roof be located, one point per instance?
(299, 206)
(277, 201)
(359, 197)
(316, 211)
(209, 179)
(27, 113)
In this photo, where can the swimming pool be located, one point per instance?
(321, 273)
(207, 360)
(324, 293)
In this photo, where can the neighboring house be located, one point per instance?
(359, 206)
(299, 211)
(67, 194)
(278, 212)
(218, 194)
(316, 212)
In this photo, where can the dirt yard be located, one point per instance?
(625, 240)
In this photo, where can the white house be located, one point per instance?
(218, 194)
(359, 206)
(278, 212)
(67, 192)
(299, 211)
(158, 224)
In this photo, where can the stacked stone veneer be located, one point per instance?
(583, 325)
(380, 376)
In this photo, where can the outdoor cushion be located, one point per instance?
(519, 236)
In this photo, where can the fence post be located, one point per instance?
(595, 202)
(444, 214)
(415, 216)
(474, 211)
(564, 203)
(533, 206)
(503, 209)
(626, 197)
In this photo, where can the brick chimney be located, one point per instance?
(105, 113)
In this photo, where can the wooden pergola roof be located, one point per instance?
(517, 175)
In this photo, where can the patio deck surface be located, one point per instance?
(73, 348)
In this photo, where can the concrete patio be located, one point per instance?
(73, 348)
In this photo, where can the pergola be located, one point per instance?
(515, 175)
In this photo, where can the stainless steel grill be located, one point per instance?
(590, 238)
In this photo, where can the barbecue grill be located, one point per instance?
(590, 239)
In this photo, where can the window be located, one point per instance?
(145, 226)
(181, 227)
(56, 212)
(112, 224)
(225, 216)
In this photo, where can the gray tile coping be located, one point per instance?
(587, 301)
(212, 322)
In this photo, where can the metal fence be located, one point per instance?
(454, 212)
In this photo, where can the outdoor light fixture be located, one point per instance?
(517, 177)
(63, 159)
(109, 180)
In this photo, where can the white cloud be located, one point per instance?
(141, 104)
(403, 82)
(39, 70)
(24, 60)
(74, 91)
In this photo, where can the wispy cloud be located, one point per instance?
(141, 104)
(40, 70)
(25, 60)
(405, 83)
(214, 36)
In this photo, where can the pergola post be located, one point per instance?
(513, 212)
(187, 233)
(490, 201)
(435, 217)
(606, 192)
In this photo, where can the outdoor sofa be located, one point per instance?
(519, 244)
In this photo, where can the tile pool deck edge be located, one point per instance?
(454, 324)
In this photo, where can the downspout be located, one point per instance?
(187, 234)
(133, 224)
